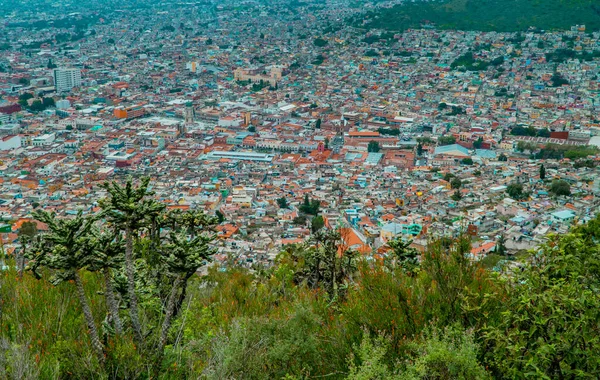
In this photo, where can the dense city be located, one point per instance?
(299, 189)
(420, 134)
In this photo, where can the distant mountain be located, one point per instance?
(489, 15)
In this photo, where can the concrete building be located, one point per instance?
(66, 79)
(10, 142)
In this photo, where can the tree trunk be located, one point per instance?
(133, 303)
(89, 318)
(21, 261)
(167, 322)
(182, 295)
(113, 307)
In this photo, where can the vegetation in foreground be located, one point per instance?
(315, 314)
(489, 15)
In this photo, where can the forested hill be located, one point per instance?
(489, 15)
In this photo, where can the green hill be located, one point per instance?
(490, 15)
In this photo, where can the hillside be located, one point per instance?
(490, 15)
(81, 309)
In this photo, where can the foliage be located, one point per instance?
(322, 311)
(317, 223)
(446, 140)
(529, 131)
(319, 42)
(373, 146)
(515, 191)
(455, 183)
(310, 207)
(560, 187)
(448, 354)
(486, 15)
(282, 202)
(469, 62)
(456, 196)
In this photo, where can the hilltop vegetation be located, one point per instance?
(489, 15)
(125, 278)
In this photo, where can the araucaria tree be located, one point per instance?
(65, 251)
(130, 207)
(182, 256)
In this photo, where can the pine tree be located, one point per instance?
(542, 172)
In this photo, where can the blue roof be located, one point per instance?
(565, 214)
(373, 158)
(453, 148)
(485, 153)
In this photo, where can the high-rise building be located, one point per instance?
(66, 79)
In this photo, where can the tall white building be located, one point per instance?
(66, 79)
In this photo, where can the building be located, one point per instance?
(129, 112)
(66, 79)
(10, 142)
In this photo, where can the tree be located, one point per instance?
(542, 172)
(455, 183)
(48, 102)
(558, 80)
(318, 124)
(442, 106)
(502, 157)
(467, 161)
(560, 187)
(282, 202)
(105, 254)
(26, 234)
(64, 250)
(209, 41)
(37, 106)
(183, 256)
(446, 140)
(515, 191)
(456, 196)
(51, 65)
(326, 142)
(478, 143)
(373, 146)
(419, 149)
(317, 223)
(403, 255)
(319, 42)
(129, 207)
(220, 216)
(310, 206)
(500, 246)
(551, 312)
(252, 129)
(299, 220)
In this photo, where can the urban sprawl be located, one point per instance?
(278, 121)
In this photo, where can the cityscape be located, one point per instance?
(280, 120)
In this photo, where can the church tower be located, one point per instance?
(189, 113)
